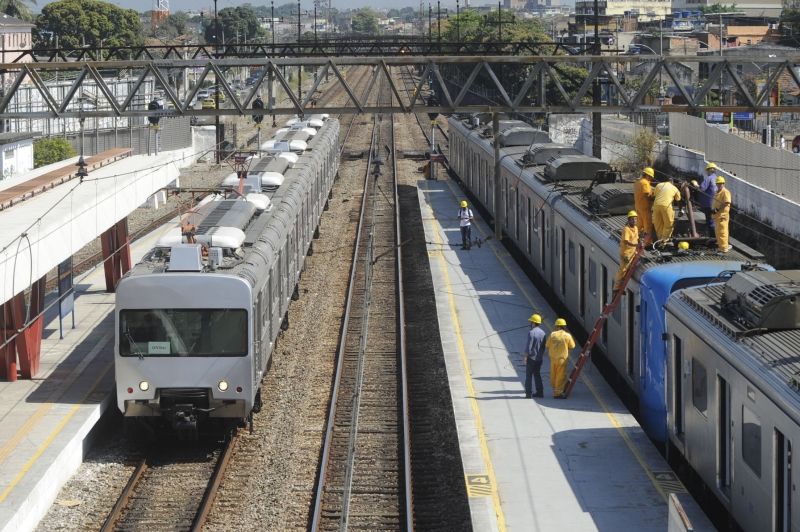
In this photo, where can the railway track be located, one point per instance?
(364, 478)
(171, 489)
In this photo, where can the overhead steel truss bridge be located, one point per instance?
(435, 84)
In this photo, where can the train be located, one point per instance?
(718, 390)
(197, 318)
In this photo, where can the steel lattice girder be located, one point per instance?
(311, 48)
(538, 84)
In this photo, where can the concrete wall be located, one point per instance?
(771, 169)
(616, 143)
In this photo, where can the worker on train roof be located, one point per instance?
(643, 198)
(663, 214)
(628, 242)
(721, 210)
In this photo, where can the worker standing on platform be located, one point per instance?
(706, 192)
(643, 198)
(465, 221)
(663, 213)
(534, 355)
(558, 345)
(722, 214)
(628, 241)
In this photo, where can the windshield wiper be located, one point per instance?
(133, 343)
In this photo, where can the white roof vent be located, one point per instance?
(272, 179)
(224, 237)
(186, 258)
(261, 201)
(292, 158)
(170, 238)
(298, 146)
(275, 146)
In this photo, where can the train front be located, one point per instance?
(183, 350)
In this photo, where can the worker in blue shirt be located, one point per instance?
(705, 196)
(534, 355)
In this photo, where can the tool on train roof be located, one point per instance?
(586, 350)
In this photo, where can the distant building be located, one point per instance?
(643, 9)
(16, 154)
(751, 8)
(15, 34)
(514, 4)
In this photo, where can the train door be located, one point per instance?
(604, 299)
(677, 387)
(258, 323)
(528, 227)
(542, 237)
(782, 490)
(629, 344)
(582, 281)
(724, 436)
(563, 257)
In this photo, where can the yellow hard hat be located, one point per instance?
(649, 172)
(632, 214)
(561, 322)
(711, 166)
(535, 318)
(683, 245)
(464, 204)
(720, 180)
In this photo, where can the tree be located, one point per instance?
(17, 8)
(49, 151)
(89, 22)
(364, 21)
(717, 8)
(237, 24)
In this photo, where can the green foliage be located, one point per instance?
(78, 22)
(471, 26)
(235, 22)
(639, 153)
(17, 8)
(364, 21)
(717, 8)
(49, 151)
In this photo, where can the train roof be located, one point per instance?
(244, 231)
(763, 322)
(582, 182)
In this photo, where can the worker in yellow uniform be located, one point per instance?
(643, 198)
(558, 345)
(663, 213)
(721, 210)
(628, 241)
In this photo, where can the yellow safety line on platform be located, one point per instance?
(52, 400)
(53, 435)
(500, 254)
(487, 459)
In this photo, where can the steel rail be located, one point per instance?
(340, 351)
(122, 500)
(401, 327)
(210, 494)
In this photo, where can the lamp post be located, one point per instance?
(597, 118)
(430, 23)
(299, 67)
(458, 21)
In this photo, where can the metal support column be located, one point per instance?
(597, 118)
(498, 211)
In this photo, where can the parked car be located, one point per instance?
(209, 103)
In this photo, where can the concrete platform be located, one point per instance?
(530, 464)
(44, 422)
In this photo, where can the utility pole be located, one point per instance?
(458, 21)
(430, 23)
(216, 92)
(439, 20)
(498, 213)
(500, 22)
(299, 67)
(597, 124)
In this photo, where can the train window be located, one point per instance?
(604, 299)
(699, 387)
(563, 262)
(751, 440)
(592, 277)
(542, 238)
(516, 213)
(782, 494)
(571, 257)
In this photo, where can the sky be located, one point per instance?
(184, 5)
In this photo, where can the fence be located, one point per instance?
(175, 134)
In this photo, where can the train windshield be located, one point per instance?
(183, 332)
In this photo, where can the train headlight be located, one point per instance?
(144, 386)
(223, 386)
